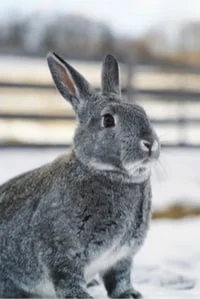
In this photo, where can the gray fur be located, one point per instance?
(85, 212)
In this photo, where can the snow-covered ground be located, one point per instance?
(168, 266)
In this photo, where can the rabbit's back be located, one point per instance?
(21, 191)
(31, 187)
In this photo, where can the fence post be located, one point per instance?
(131, 66)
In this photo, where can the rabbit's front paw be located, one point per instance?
(131, 294)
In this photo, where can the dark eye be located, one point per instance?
(108, 121)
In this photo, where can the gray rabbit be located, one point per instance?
(88, 211)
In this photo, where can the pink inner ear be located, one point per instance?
(66, 78)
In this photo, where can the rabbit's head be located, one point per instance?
(112, 135)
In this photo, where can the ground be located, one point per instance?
(168, 265)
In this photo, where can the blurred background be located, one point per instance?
(159, 52)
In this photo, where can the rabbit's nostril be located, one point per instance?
(146, 146)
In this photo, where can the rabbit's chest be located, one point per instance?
(136, 224)
(124, 226)
(105, 258)
(124, 241)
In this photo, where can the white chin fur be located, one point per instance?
(101, 166)
(138, 171)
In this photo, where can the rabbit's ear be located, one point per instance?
(110, 76)
(68, 81)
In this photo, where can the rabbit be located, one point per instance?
(88, 211)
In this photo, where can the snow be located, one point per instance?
(177, 178)
(168, 265)
(172, 256)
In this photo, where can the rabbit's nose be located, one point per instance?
(146, 146)
(149, 147)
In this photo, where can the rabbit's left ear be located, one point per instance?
(71, 84)
(110, 76)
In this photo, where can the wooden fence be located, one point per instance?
(171, 95)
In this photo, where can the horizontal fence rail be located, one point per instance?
(42, 145)
(170, 94)
(59, 117)
(44, 117)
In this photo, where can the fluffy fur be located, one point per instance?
(88, 211)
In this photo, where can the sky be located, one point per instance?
(131, 17)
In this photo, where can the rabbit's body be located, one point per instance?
(88, 211)
(107, 226)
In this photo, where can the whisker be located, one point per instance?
(162, 167)
(163, 135)
(155, 168)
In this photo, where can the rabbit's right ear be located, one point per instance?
(68, 81)
(110, 76)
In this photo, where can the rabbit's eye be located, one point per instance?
(108, 121)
